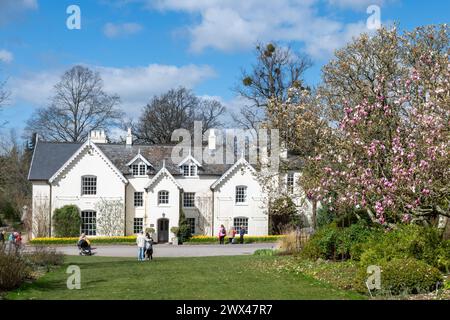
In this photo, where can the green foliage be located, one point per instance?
(184, 230)
(408, 241)
(403, 276)
(324, 216)
(283, 216)
(332, 242)
(9, 211)
(67, 221)
(265, 252)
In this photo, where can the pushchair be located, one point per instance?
(84, 248)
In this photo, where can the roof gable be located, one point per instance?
(139, 156)
(88, 144)
(162, 173)
(229, 172)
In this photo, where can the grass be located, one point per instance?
(229, 278)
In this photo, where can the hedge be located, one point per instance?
(247, 239)
(94, 240)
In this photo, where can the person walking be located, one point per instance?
(18, 241)
(11, 242)
(148, 247)
(241, 234)
(222, 234)
(140, 241)
(231, 234)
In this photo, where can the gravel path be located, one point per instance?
(166, 250)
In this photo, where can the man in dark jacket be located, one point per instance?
(241, 234)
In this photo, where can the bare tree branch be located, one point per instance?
(78, 106)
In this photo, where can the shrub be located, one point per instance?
(67, 221)
(13, 271)
(283, 215)
(44, 257)
(408, 241)
(403, 276)
(332, 242)
(184, 231)
(324, 217)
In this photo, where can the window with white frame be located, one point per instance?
(189, 199)
(191, 223)
(163, 197)
(88, 185)
(241, 194)
(239, 223)
(189, 170)
(290, 182)
(138, 199)
(138, 225)
(139, 169)
(89, 223)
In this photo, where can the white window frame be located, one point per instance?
(139, 169)
(238, 222)
(290, 182)
(189, 170)
(163, 198)
(190, 200)
(138, 203)
(89, 222)
(240, 198)
(89, 189)
(138, 225)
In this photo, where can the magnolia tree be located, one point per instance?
(392, 155)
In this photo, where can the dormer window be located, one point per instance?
(189, 170)
(139, 166)
(139, 169)
(189, 167)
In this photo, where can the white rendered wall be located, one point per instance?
(225, 208)
(66, 189)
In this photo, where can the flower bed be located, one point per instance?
(247, 239)
(94, 240)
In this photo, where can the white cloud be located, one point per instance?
(112, 30)
(11, 9)
(236, 25)
(357, 4)
(135, 85)
(6, 56)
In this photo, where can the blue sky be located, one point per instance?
(145, 47)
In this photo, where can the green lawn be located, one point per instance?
(235, 278)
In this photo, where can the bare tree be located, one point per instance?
(4, 95)
(276, 70)
(175, 109)
(41, 217)
(79, 105)
(111, 219)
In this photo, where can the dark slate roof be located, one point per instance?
(49, 157)
(121, 154)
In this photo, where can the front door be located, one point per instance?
(163, 230)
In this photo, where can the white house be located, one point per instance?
(151, 187)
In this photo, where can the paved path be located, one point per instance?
(166, 250)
